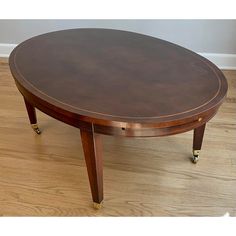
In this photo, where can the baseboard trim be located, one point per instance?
(223, 61)
(6, 49)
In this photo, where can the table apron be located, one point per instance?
(117, 128)
(152, 132)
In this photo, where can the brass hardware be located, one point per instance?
(97, 206)
(36, 128)
(196, 152)
(195, 157)
(199, 119)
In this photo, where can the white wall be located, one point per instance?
(215, 38)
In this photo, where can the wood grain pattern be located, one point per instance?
(143, 93)
(46, 175)
(92, 146)
(198, 134)
(107, 77)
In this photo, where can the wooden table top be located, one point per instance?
(117, 75)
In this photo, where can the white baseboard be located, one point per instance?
(6, 48)
(223, 61)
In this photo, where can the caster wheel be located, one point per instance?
(97, 206)
(195, 159)
(36, 128)
(37, 131)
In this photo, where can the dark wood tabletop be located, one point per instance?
(116, 82)
(117, 75)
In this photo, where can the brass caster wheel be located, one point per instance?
(97, 206)
(195, 157)
(36, 128)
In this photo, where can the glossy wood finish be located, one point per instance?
(117, 79)
(45, 175)
(198, 137)
(92, 147)
(117, 83)
(31, 112)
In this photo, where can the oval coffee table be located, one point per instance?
(116, 83)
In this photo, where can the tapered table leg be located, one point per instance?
(197, 142)
(93, 156)
(32, 116)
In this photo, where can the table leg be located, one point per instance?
(93, 156)
(197, 142)
(32, 116)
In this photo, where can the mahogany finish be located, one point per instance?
(93, 156)
(198, 137)
(31, 112)
(118, 83)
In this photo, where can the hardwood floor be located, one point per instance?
(45, 175)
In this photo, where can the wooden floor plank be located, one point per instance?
(45, 175)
